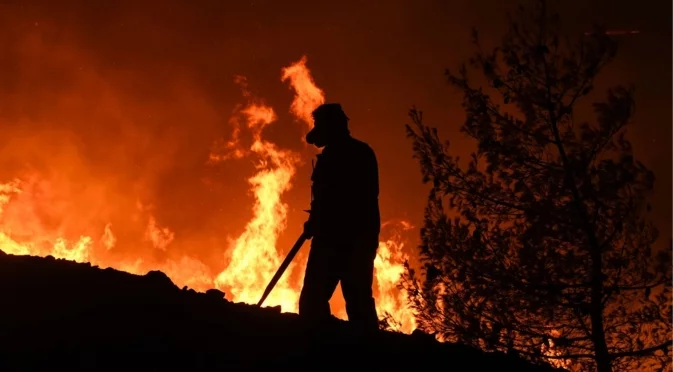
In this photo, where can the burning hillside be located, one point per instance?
(71, 316)
(56, 211)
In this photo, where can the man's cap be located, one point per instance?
(329, 110)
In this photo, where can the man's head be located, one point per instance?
(330, 123)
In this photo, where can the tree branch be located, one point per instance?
(641, 287)
(643, 352)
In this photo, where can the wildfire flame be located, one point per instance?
(307, 95)
(252, 258)
(553, 352)
(389, 268)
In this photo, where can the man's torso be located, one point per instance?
(345, 192)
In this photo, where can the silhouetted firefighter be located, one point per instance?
(345, 222)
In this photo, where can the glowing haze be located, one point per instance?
(39, 214)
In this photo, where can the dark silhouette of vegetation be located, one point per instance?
(550, 251)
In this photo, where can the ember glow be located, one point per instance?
(38, 212)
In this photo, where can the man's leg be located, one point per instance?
(320, 281)
(356, 284)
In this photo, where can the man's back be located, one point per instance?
(345, 191)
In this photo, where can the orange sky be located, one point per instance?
(123, 101)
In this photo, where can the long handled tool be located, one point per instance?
(290, 256)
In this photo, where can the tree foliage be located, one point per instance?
(550, 253)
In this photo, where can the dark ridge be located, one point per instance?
(62, 315)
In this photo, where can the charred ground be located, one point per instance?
(61, 314)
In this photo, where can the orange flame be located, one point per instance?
(553, 352)
(307, 95)
(31, 236)
(108, 239)
(252, 258)
(159, 236)
(389, 267)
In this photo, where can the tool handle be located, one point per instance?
(279, 273)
